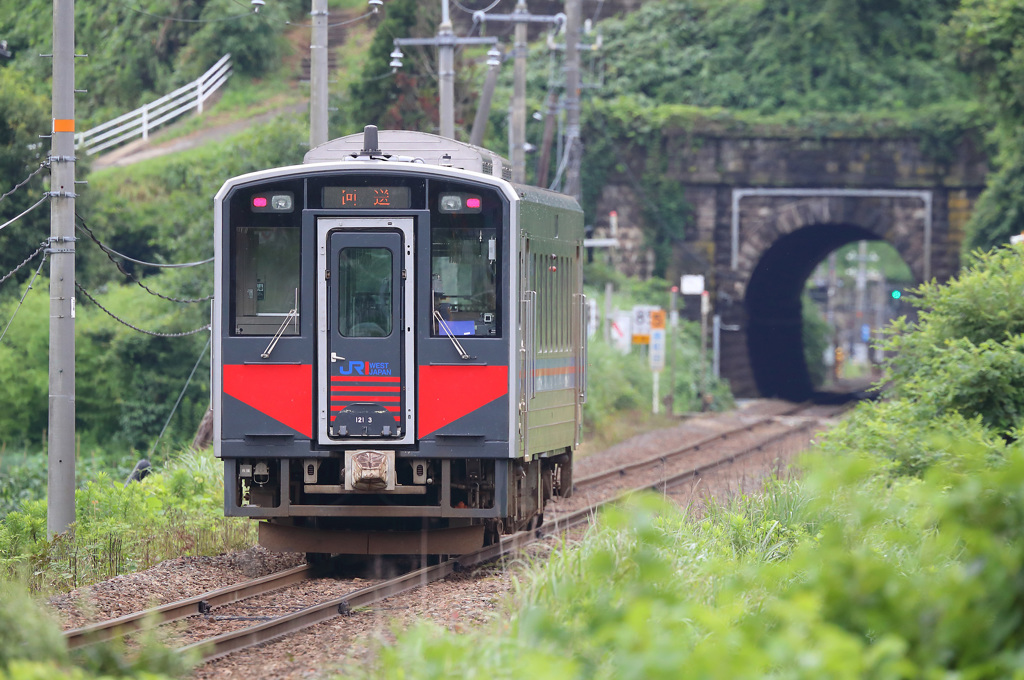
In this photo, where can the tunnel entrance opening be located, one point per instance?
(776, 339)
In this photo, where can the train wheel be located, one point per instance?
(316, 559)
(565, 479)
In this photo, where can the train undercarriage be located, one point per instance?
(448, 506)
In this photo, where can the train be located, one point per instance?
(399, 347)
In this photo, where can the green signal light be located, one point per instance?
(896, 295)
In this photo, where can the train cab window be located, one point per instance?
(465, 257)
(364, 300)
(266, 282)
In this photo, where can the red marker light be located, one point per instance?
(259, 201)
(472, 202)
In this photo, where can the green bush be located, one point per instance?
(142, 51)
(965, 353)
(32, 647)
(802, 54)
(26, 632)
(118, 529)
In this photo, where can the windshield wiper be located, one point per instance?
(293, 313)
(443, 325)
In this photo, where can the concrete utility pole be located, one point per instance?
(517, 113)
(517, 138)
(573, 10)
(483, 109)
(446, 72)
(445, 43)
(318, 75)
(544, 162)
(60, 504)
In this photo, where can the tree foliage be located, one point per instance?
(767, 55)
(988, 38)
(142, 50)
(408, 98)
(128, 382)
(23, 116)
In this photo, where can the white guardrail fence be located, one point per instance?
(142, 120)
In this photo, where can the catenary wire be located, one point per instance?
(115, 317)
(110, 251)
(180, 396)
(24, 262)
(27, 211)
(25, 181)
(22, 301)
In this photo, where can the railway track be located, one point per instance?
(661, 473)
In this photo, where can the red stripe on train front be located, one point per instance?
(282, 392)
(446, 393)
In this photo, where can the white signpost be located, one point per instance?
(656, 352)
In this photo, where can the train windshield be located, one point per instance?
(465, 241)
(266, 284)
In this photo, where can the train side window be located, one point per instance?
(364, 294)
(266, 279)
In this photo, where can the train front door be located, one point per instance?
(365, 339)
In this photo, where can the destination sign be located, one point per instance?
(368, 198)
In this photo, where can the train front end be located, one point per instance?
(367, 372)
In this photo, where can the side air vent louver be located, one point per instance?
(488, 168)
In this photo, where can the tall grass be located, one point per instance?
(118, 529)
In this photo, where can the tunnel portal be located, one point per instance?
(773, 306)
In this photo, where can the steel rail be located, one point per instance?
(227, 643)
(663, 458)
(174, 611)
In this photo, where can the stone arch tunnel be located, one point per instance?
(767, 209)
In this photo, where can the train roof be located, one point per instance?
(408, 145)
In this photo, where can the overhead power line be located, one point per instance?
(230, 17)
(110, 251)
(130, 276)
(33, 207)
(24, 262)
(22, 300)
(115, 317)
(346, 22)
(474, 11)
(42, 165)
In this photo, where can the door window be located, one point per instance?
(365, 292)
